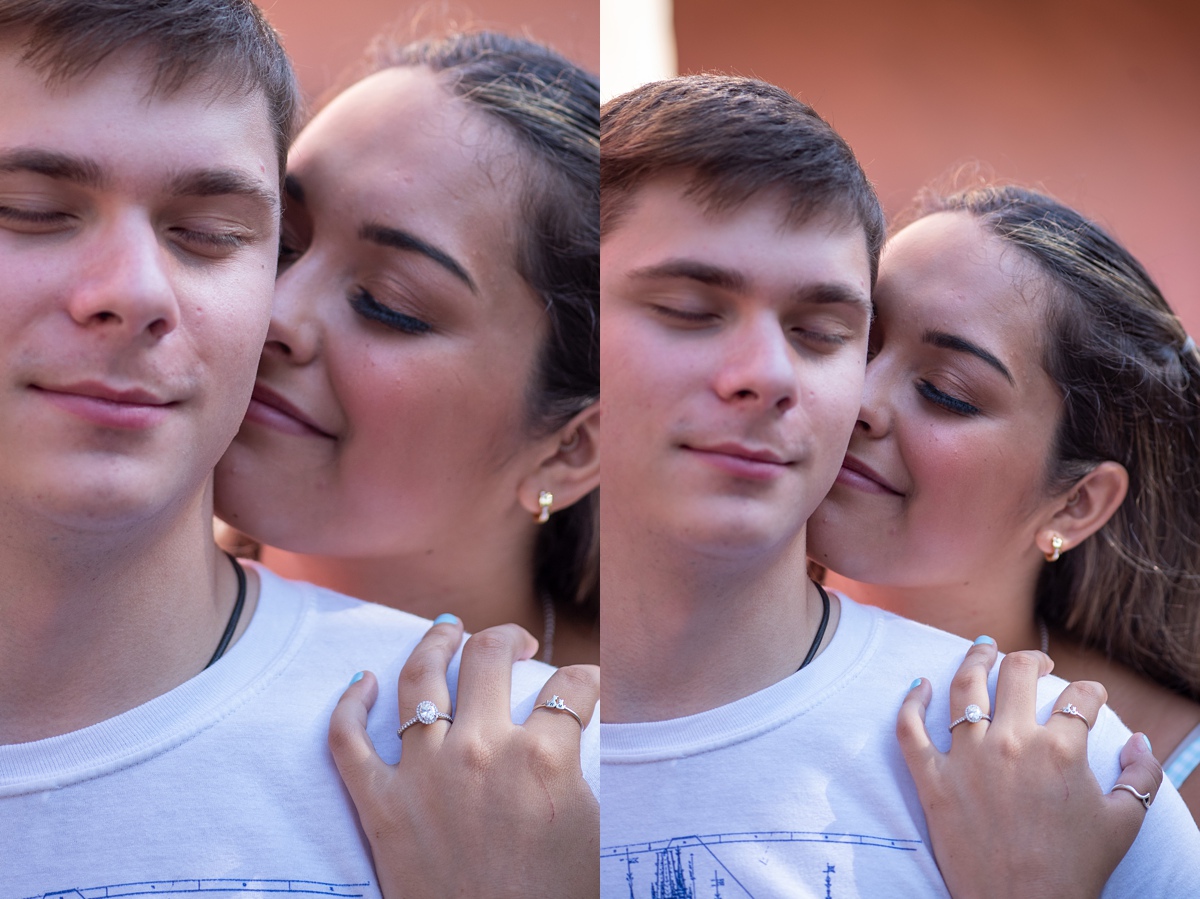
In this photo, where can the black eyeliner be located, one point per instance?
(947, 402)
(368, 307)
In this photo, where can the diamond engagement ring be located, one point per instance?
(427, 713)
(1069, 709)
(1145, 797)
(557, 704)
(972, 714)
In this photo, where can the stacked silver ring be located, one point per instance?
(557, 704)
(1145, 797)
(1069, 709)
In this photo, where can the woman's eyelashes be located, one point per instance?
(945, 400)
(370, 308)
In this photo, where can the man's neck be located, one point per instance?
(97, 624)
(684, 634)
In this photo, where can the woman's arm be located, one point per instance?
(480, 807)
(1013, 808)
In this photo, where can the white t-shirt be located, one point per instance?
(800, 790)
(225, 785)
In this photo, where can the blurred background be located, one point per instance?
(325, 36)
(1094, 101)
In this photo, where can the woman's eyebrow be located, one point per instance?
(402, 240)
(954, 342)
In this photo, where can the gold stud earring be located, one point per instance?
(545, 501)
(1056, 545)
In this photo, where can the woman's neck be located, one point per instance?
(1004, 613)
(481, 595)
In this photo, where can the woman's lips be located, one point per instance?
(857, 474)
(108, 407)
(271, 410)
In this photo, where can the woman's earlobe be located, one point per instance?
(570, 467)
(1086, 509)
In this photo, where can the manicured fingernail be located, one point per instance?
(354, 680)
(915, 684)
(1146, 740)
(446, 618)
(984, 639)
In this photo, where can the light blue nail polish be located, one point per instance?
(915, 684)
(446, 618)
(354, 680)
(1146, 740)
(984, 639)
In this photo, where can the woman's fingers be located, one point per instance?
(1017, 685)
(919, 752)
(485, 674)
(569, 692)
(423, 680)
(1076, 709)
(969, 701)
(1141, 776)
(353, 752)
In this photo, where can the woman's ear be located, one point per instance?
(568, 470)
(1084, 509)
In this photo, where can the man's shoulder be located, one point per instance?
(901, 639)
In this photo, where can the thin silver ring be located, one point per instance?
(1069, 709)
(557, 704)
(1145, 797)
(972, 714)
(427, 713)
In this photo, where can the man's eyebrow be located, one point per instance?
(953, 342)
(396, 239)
(76, 169)
(736, 282)
(693, 270)
(835, 292)
(223, 182)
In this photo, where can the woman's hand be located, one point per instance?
(481, 807)
(1013, 808)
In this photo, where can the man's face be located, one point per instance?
(138, 238)
(732, 355)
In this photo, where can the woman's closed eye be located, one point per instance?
(945, 400)
(362, 302)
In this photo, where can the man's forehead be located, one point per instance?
(91, 126)
(668, 231)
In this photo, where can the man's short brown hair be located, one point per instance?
(228, 42)
(732, 138)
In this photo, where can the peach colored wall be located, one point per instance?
(1094, 100)
(324, 36)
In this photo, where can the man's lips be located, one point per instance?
(755, 463)
(856, 473)
(101, 404)
(270, 409)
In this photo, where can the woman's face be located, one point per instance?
(944, 480)
(390, 404)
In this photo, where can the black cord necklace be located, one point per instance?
(237, 613)
(812, 650)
